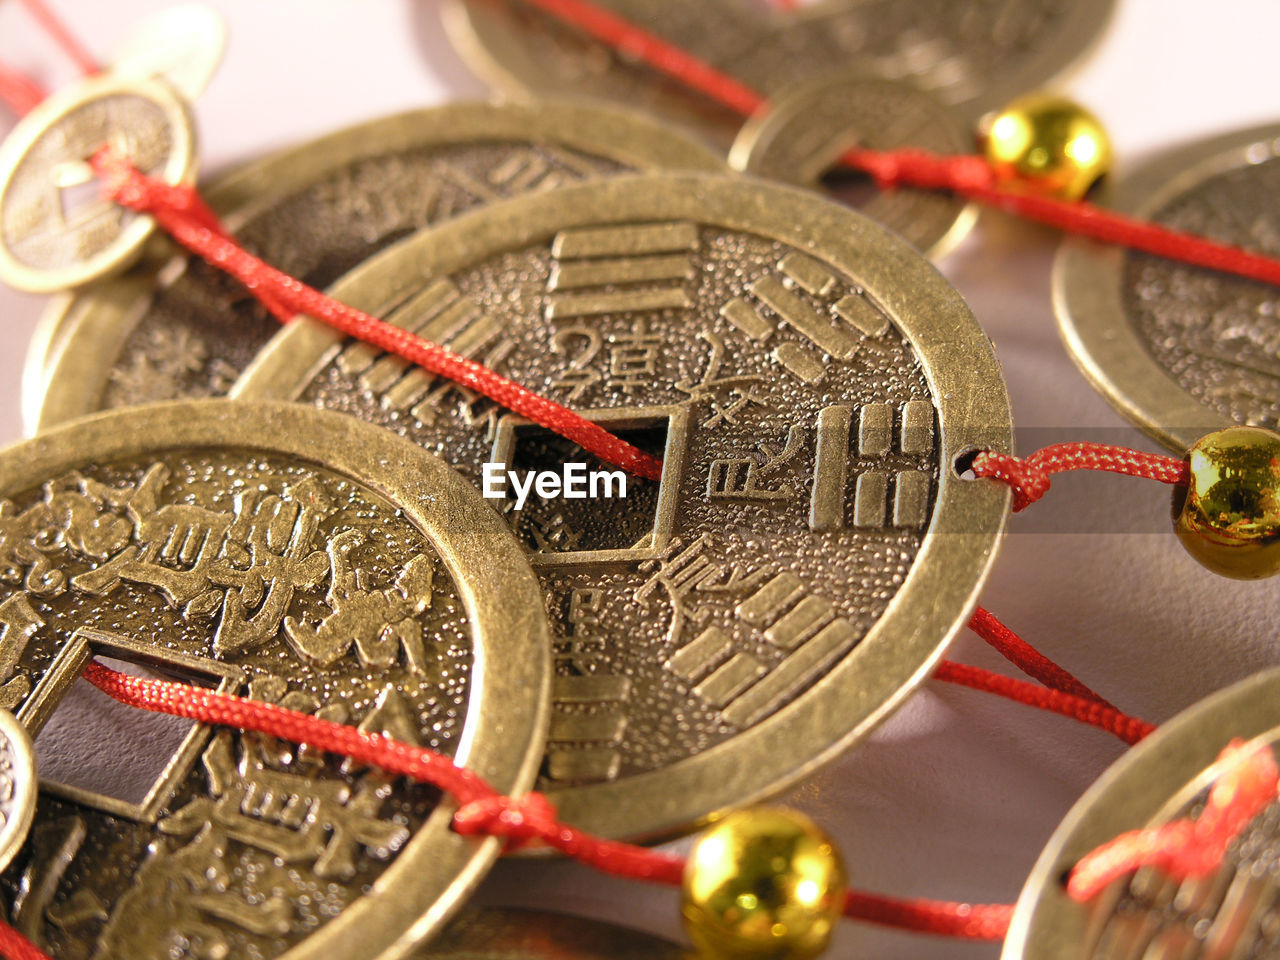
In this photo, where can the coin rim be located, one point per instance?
(14, 832)
(1178, 760)
(760, 134)
(1087, 295)
(102, 318)
(902, 648)
(508, 707)
(121, 252)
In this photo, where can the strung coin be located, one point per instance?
(181, 45)
(1229, 913)
(520, 50)
(1183, 350)
(527, 935)
(183, 329)
(801, 134)
(975, 55)
(809, 381)
(56, 231)
(17, 786)
(972, 56)
(291, 556)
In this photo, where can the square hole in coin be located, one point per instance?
(561, 530)
(95, 743)
(102, 753)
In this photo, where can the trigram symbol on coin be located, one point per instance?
(546, 168)
(441, 314)
(621, 269)
(743, 687)
(586, 728)
(885, 495)
(779, 295)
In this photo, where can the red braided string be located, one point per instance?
(1027, 658)
(1127, 728)
(185, 216)
(482, 810)
(19, 92)
(633, 41)
(14, 946)
(963, 921)
(1029, 477)
(969, 176)
(62, 36)
(1188, 848)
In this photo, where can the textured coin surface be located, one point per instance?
(809, 380)
(801, 134)
(181, 45)
(291, 556)
(56, 231)
(1183, 350)
(977, 54)
(1229, 913)
(183, 329)
(529, 935)
(17, 786)
(520, 50)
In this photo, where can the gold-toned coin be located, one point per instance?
(809, 380)
(180, 328)
(181, 45)
(292, 556)
(17, 786)
(56, 230)
(1229, 913)
(800, 136)
(530, 935)
(971, 55)
(1181, 350)
(521, 51)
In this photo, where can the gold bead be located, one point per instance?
(1050, 143)
(1230, 514)
(763, 884)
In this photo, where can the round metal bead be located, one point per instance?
(1050, 143)
(763, 884)
(1229, 518)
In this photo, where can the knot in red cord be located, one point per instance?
(1027, 479)
(521, 820)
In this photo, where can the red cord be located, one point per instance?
(1028, 659)
(963, 921)
(62, 36)
(185, 216)
(1029, 477)
(14, 946)
(1127, 728)
(19, 92)
(1188, 848)
(482, 810)
(637, 43)
(969, 176)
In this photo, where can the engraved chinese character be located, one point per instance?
(741, 478)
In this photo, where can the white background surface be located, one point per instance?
(955, 796)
